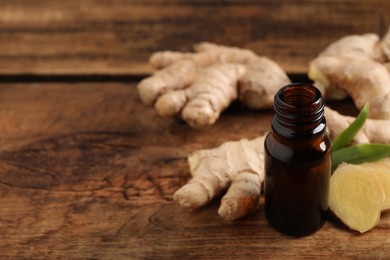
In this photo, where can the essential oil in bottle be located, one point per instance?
(297, 162)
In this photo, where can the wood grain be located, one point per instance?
(88, 172)
(116, 37)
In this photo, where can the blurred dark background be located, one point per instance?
(92, 38)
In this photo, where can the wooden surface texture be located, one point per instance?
(117, 37)
(88, 172)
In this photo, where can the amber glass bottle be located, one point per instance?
(297, 162)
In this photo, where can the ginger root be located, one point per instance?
(356, 196)
(363, 79)
(381, 170)
(358, 193)
(201, 85)
(355, 66)
(373, 131)
(364, 45)
(236, 164)
(211, 92)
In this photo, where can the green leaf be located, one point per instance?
(360, 153)
(345, 137)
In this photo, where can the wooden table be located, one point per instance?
(88, 172)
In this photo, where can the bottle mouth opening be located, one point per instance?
(298, 95)
(299, 103)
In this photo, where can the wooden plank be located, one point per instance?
(87, 171)
(117, 37)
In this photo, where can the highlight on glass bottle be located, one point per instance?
(297, 162)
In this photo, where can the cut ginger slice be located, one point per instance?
(356, 197)
(381, 170)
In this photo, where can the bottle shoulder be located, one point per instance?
(297, 150)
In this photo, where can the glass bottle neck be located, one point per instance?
(299, 112)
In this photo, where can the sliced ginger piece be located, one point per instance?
(381, 170)
(356, 196)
